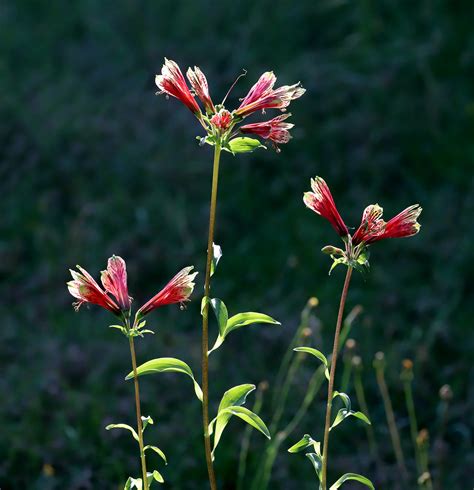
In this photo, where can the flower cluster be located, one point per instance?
(371, 229)
(114, 297)
(221, 125)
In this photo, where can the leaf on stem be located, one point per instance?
(305, 442)
(316, 353)
(236, 396)
(316, 461)
(123, 426)
(222, 315)
(154, 476)
(241, 320)
(243, 145)
(164, 365)
(216, 256)
(133, 483)
(157, 451)
(345, 412)
(146, 421)
(352, 476)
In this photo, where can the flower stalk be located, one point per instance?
(205, 319)
(138, 412)
(332, 374)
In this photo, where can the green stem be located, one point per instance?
(361, 400)
(392, 426)
(205, 321)
(331, 378)
(413, 425)
(139, 414)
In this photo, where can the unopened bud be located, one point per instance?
(330, 250)
(407, 364)
(313, 302)
(357, 362)
(446, 393)
(351, 344)
(379, 360)
(307, 332)
(263, 385)
(407, 370)
(423, 437)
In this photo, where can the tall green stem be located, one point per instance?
(139, 414)
(331, 378)
(205, 320)
(413, 425)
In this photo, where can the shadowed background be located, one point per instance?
(93, 163)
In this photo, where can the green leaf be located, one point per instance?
(133, 483)
(344, 397)
(241, 320)
(236, 396)
(336, 262)
(221, 313)
(244, 145)
(157, 451)
(344, 413)
(247, 416)
(316, 462)
(146, 421)
(216, 256)
(155, 475)
(164, 365)
(123, 426)
(119, 327)
(316, 353)
(302, 444)
(204, 302)
(352, 476)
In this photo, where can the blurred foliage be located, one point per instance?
(92, 163)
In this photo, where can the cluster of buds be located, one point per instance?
(114, 297)
(223, 127)
(371, 229)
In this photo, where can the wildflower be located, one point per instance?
(177, 290)
(200, 86)
(172, 82)
(322, 203)
(221, 124)
(371, 229)
(275, 129)
(114, 280)
(222, 120)
(86, 290)
(262, 96)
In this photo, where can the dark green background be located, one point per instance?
(93, 163)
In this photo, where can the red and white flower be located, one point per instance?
(114, 280)
(177, 290)
(200, 86)
(84, 288)
(275, 129)
(322, 203)
(222, 120)
(172, 82)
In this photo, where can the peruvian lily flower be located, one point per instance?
(114, 294)
(372, 228)
(223, 126)
(172, 82)
(274, 130)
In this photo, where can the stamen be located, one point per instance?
(244, 72)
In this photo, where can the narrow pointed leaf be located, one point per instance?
(157, 451)
(251, 418)
(352, 476)
(216, 256)
(318, 354)
(344, 413)
(302, 444)
(221, 313)
(123, 426)
(154, 476)
(316, 462)
(236, 396)
(146, 421)
(165, 365)
(133, 483)
(344, 397)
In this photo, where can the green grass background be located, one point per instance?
(93, 163)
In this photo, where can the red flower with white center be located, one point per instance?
(172, 82)
(372, 228)
(263, 96)
(200, 86)
(322, 203)
(275, 129)
(403, 224)
(222, 120)
(86, 290)
(177, 290)
(114, 280)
